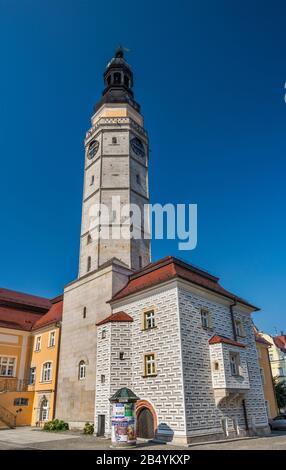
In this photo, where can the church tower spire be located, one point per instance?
(116, 166)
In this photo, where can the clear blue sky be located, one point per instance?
(210, 78)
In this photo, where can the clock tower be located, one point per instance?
(115, 169)
(115, 176)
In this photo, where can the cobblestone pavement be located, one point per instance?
(28, 438)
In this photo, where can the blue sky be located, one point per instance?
(209, 75)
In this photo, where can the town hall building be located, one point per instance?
(166, 330)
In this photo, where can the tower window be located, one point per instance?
(89, 239)
(92, 180)
(108, 80)
(140, 262)
(81, 370)
(117, 78)
(126, 81)
(138, 179)
(114, 140)
(84, 312)
(88, 263)
(121, 356)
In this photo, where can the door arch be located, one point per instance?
(44, 410)
(145, 424)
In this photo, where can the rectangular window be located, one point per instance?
(149, 320)
(32, 376)
(239, 328)
(47, 372)
(114, 140)
(234, 363)
(52, 339)
(92, 180)
(102, 379)
(103, 334)
(205, 318)
(149, 363)
(121, 356)
(21, 402)
(38, 342)
(271, 357)
(7, 366)
(280, 371)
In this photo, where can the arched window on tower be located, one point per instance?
(81, 370)
(89, 239)
(117, 78)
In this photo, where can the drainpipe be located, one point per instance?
(58, 324)
(235, 339)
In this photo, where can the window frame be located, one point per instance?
(205, 314)
(236, 356)
(151, 363)
(82, 370)
(9, 358)
(151, 320)
(23, 401)
(32, 375)
(38, 348)
(102, 378)
(239, 329)
(52, 335)
(46, 370)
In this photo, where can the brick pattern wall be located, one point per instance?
(203, 417)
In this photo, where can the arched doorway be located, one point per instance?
(145, 424)
(44, 410)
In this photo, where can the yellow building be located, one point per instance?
(262, 347)
(277, 355)
(23, 318)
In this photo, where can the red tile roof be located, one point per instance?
(170, 268)
(18, 319)
(11, 297)
(52, 316)
(280, 342)
(25, 312)
(222, 339)
(116, 317)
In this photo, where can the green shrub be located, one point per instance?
(56, 425)
(88, 428)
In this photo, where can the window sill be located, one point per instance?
(45, 382)
(149, 376)
(50, 347)
(37, 350)
(207, 328)
(150, 329)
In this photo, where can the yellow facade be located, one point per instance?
(45, 362)
(21, 401)
(277, 358)
(266, 376)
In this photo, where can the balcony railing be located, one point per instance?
(7, 417)
(13, 385)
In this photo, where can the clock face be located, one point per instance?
(93, 149)
(137, 147)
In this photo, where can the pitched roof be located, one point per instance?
(260, 339)
(280, 342)
(18, 319)
(11, 297)
(170, 268)
(116, 317)
(222, 339)
(52, 316)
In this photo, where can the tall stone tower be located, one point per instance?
(116, 169)
(116, 166)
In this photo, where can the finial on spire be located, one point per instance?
(119, 53)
